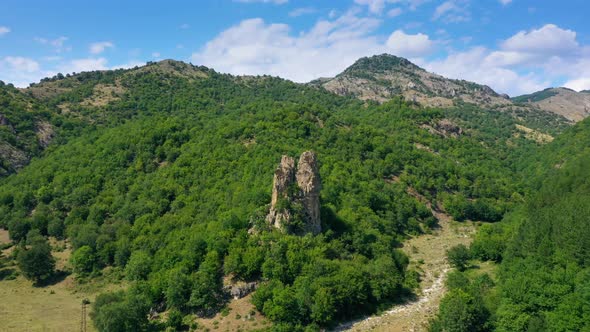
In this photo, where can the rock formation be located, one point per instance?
(308, 181)
(279, 216)
(296, 195)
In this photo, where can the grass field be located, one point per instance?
(56, 307)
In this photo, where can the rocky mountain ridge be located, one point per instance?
(382, 77)
(575, 106)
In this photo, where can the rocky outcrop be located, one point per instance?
(568, 103)
(240, 290)
(295, 201)
(279, 215)
(308, 181)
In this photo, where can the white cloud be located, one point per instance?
(549, 39)
(452, 11)
(156, 55)
(578, 84)
(4, 30)
(255, 47)
(99, 47)
(375, 6)
(394, 12)
(505, 2)
(302, 11)
(19, 71)
(22, 64)
(58, 43)
(87, 64)
(402, 44)
(277, 2)
(471, 65)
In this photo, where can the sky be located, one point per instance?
(514, 46)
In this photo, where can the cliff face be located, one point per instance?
(309, 183)
(296, 195)
(279, 216)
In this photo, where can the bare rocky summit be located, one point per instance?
(296, 195)
(574, 106)
(382, 77)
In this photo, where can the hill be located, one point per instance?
(25, 128)
(174, 165)
(382, 77)
(573, 105)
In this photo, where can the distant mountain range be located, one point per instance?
(382, 77)
(574, 106)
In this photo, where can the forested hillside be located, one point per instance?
(174, 163)
(25, 128)
(542, 248)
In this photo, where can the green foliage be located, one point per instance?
(83, 260)
(139, 266)
(36, 263)
(535, 97)
(459, 257)
(542, 246)
(166, 180)
(459, 312)
(124, 312)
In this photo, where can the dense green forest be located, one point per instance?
(160, 185)
(542, 248)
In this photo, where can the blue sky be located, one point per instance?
(515, 46)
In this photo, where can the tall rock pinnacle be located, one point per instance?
(296, 195)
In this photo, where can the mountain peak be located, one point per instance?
(573, 105)
(382, 77)
(380, 63)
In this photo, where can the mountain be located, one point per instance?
(573, 105)
(382, 77)
(158, 173)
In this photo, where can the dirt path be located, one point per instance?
(427, 255)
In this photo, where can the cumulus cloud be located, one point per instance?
(402, 44)
(549, 39)
(472, 65)
(256, 47)
(4, 30)
(517, 66)
(18, 70)
(22, 64)
(99, 47)
(578, 84)
(505, 2)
